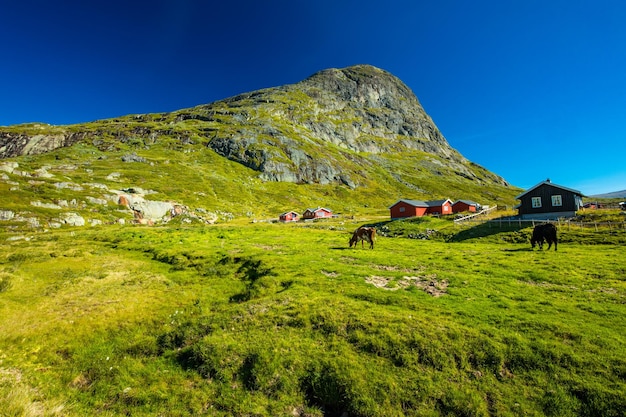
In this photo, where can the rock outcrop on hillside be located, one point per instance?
(15, 144)
(320, 130)
(360, 109)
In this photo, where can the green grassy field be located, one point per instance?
(285, 320)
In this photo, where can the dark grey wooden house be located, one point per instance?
(549, 201)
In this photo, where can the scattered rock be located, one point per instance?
(123, 201)
(45, 205)
(43, 173)
(99, 201)
(68, 185)
(67, 167)
(133, 157)
(96, 185)
(138, 190)
(33, 222)
(73, 219)
(8, 167)
(21, 173)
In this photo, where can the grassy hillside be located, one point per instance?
(199, 178)
(284, 320)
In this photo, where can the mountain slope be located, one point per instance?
(614, 194)
(346, 138)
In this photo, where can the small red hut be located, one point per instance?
(289, 216)
(461, 206)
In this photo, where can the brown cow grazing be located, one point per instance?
(363, 233)
(543, 232)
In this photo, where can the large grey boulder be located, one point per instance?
(151, 210)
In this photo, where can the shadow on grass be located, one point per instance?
(513, 233)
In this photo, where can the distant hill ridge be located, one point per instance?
(614, 194)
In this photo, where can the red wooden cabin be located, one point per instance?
(461, 206)
(408, 208)
(290, 216)
(440, 207)
(317, 213)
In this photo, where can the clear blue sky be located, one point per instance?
(530, 89)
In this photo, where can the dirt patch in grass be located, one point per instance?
(430, 284)
(393, 268)
(10, 375)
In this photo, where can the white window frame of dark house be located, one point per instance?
(536, 202)
(557, 200)
(402, 209)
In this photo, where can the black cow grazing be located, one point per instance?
(541, 232)
(363, 234)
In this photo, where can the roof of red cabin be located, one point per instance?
(318, 209)
(468, 202)
(420, 203)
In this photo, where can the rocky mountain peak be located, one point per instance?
(364, 85)
(322, 130)
(386, 106)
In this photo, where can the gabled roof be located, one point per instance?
(289, 212)
(547, 182)
(437, 203)
(468, 202)
(420, 203)
(414, 203)
(313, 210)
